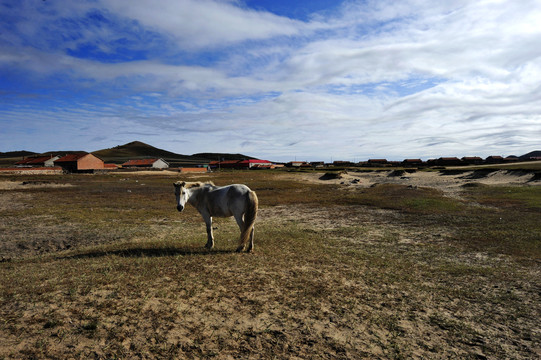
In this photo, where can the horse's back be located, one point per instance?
(238, 189)
(227, 200)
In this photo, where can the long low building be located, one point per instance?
(241, 164)
(147, 163)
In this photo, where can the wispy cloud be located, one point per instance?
(363, 79)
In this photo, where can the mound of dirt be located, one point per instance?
(333, 175)
(396, 173)
(536, 176)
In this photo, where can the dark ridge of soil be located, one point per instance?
(479, 174)
(452, 172)
(332, 175)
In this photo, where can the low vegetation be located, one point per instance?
(107, 268)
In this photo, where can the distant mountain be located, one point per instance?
(16, 154)
(135, 150)
(140, 150)
(531, 154)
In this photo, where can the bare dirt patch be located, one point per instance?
(30, 184)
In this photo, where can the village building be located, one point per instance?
(377, 161)
(511, 159)
(472, 160)
(412, 162)
(449, 161)
(297, 164)
(81, 162)
(495, 159)
(226, 164)
(38, 161)
(147, 163)
(241, 164)
(342, 163)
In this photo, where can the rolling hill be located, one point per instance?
(140, 150)
(530, 155)
(16, 154)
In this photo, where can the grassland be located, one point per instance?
(102, 266)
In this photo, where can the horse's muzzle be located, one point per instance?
(180, 207)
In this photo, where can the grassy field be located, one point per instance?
(103, 266)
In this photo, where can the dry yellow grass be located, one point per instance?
(106, 268)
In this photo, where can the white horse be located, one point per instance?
(221, 201)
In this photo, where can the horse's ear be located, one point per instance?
(179, 184)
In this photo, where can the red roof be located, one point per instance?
(230, 162)
(140, 162)
(33, 160)
(71, 157)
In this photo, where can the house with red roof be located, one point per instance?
(38, 161)
(147, 163)
(472, 160)
(412, 162)
(79, 162)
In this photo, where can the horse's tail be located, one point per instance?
(249, 218)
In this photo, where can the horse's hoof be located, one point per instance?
(240, 248)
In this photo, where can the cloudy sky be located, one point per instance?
(276, 79)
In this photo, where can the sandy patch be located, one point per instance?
(20, 185)
(448, 182)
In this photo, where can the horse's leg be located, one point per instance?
(210, 237)
(251, 244)
(240, 223)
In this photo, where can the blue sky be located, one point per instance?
(311, 80)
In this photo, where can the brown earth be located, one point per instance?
(327, 281)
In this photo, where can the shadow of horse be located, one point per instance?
(147, 252)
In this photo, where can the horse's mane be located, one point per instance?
(189, 185)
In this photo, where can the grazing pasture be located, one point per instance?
(103, 266)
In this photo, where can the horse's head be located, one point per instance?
(181, 194)
(183, 191)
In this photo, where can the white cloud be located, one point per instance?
(197, 24)
(374, 79)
